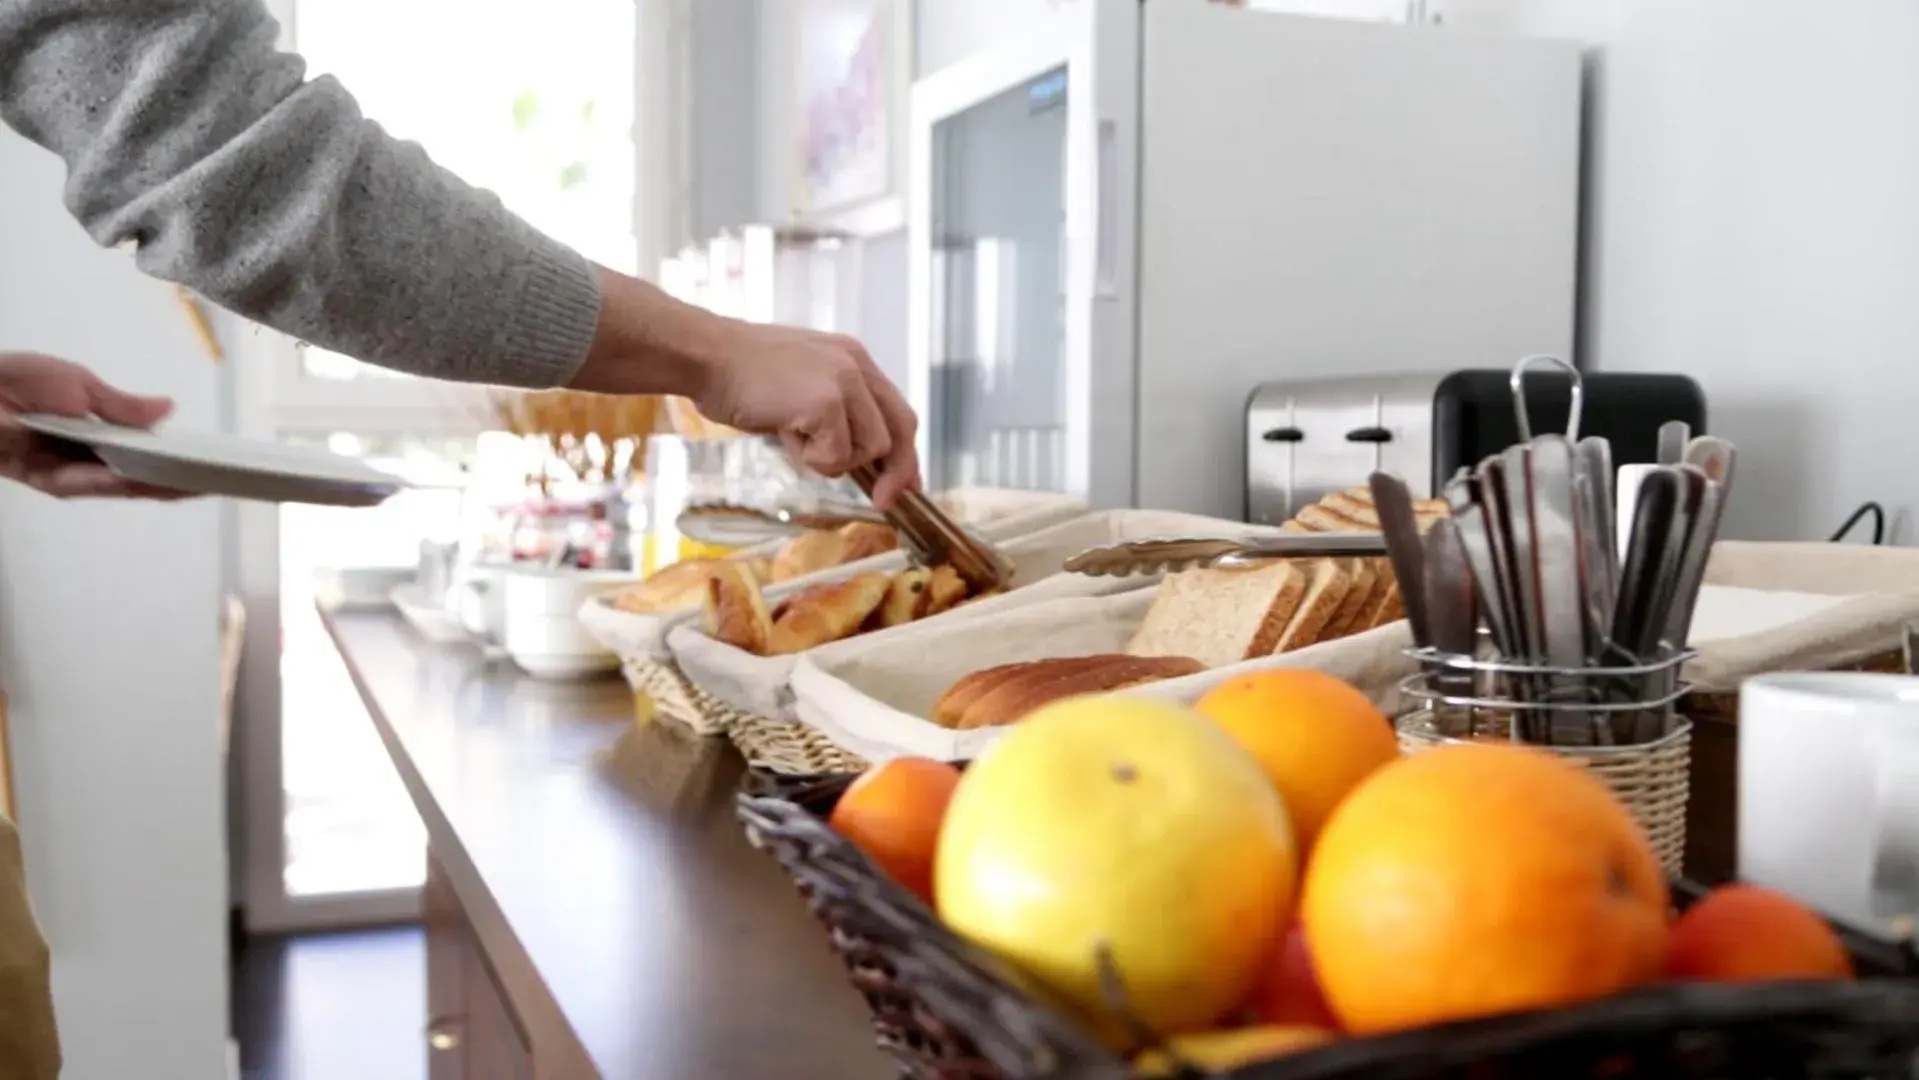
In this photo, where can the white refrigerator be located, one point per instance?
(1126, 219)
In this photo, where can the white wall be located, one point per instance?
(1754, 222)
(108, 653)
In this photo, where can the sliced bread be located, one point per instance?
(1221, 616)
(1327, 584)
(1359, 597)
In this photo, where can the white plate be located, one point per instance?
(210, 463)
(433, 621)
(557, 667)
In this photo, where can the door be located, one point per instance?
(1019, 350)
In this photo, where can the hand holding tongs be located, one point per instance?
(935, 538)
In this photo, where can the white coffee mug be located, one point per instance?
(478, 601)
(542, 631)
(1829, 792)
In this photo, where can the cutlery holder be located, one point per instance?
(1620, 723)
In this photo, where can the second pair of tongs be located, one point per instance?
(934, 538)
(1159, 554)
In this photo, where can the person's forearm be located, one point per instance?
(185, 132)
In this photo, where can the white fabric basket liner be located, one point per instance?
(760, 684)
(872, 695)
(636, 636)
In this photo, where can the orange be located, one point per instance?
(1289, 993)
(1224, 1051)
(1121, 834)
(1474, 880)
(893, 814)
(1316, 736)
(1743, 933)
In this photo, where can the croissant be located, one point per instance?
(827, 614)
(907, 598)
(735, 610)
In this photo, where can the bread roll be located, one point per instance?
(827, 614)
(1221, 615)
(735, 610)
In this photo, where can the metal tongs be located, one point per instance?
(732, 525)
(1159, 554)
(935, 538)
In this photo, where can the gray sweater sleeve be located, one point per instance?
(185, 131)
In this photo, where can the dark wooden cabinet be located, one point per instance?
(472, 1033)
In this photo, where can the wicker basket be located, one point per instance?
(769, 745)
(1650, 779)
(948, 1011)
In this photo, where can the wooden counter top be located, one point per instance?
(631, 927)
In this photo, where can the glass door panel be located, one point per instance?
(998, 404)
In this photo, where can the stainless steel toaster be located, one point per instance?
(1308, 438)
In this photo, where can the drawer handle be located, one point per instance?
(443, 1035)
(1370, 434)
(1283, 434)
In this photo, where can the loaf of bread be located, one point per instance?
(1005, 694)
(1367, 586)
(1221, 616)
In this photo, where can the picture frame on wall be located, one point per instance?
(853, 78)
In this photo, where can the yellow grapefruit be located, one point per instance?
(1128, 829)
(1224, 1051)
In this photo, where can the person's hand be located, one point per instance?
(30, 383)
(821, 394)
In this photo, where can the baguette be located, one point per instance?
(1327, 584)
(952, 706)
(1220, 616)
(735, 609)
(1043, 682)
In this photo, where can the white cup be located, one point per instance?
(477, 600)
(1829, 792)
(541, 627)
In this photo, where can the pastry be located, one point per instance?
(907, 597)
(945, 589)
(827, 613)
(1219, 615)
(735, 610)
(823, 549)
(1006, 694)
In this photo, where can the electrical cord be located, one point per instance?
(1878, 523)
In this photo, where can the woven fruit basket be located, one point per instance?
(948, 1010)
